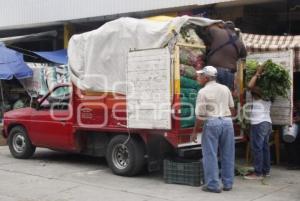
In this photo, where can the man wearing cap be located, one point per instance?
(213, 112)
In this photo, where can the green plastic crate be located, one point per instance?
(183, 171)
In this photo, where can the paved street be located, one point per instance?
(54, 176)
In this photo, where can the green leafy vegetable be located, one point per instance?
(274, 81)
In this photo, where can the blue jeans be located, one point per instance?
(218, 134)
(260, 134)
(225, 77)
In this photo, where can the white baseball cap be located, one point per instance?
(208, 70)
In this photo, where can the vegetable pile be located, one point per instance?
(274, 81)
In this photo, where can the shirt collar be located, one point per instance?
(210, 82)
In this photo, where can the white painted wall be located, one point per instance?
(18, 13)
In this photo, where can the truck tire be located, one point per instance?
(19, 144)
(125, 157)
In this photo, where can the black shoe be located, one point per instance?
(204, 188)
(227, 188)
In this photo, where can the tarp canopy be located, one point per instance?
(98, 59)
(58, 56)
(269, 43)
(12, 64)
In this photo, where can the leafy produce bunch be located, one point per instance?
(273, 81)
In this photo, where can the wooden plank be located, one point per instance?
(177, 71)
(149, 89)
(190, 45)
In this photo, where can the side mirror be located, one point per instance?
(34, 103)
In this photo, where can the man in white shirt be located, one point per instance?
(213, 111)
(261, 129)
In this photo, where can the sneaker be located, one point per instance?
(227, 188)
(206, 189)
(253, 176)
(266, 175)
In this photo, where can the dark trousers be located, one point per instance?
(260, 134)
(225, 77)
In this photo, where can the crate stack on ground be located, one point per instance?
(183, 171)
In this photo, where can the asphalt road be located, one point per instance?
(55, 176)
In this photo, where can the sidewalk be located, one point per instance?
(50, 176)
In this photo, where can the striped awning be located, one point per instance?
(267, 43)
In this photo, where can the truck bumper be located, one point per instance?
(190, 149)
(193, 148)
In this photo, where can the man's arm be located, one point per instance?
(253, 80)
(231, 104)
(243, 51)
(198, 125)
(233, 112)
(200, 111)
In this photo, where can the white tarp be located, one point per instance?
(98, 59)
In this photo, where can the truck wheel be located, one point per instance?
(19, 144)
(125, 158)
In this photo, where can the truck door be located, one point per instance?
(51, 123)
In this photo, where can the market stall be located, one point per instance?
(284, 50)
(23, 80)
(12, 66)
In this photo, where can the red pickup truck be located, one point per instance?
(92, 124)
(153, 119)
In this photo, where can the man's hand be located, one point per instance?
(259, 70)
(197, 126)
(194, 137)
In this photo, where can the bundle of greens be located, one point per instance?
(274, 81)
(188, 35)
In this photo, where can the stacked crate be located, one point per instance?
(183, 171)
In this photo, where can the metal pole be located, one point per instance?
(2, 108)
